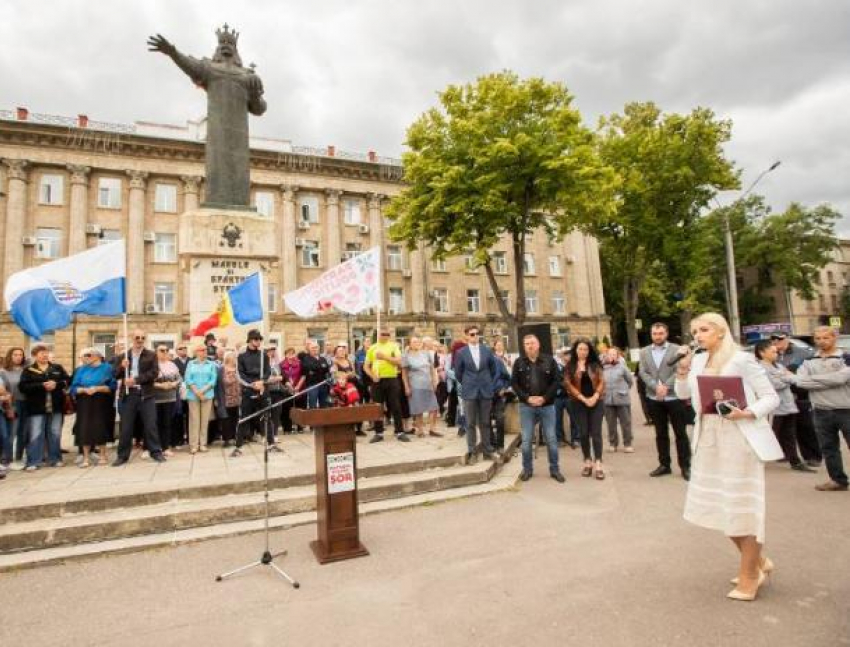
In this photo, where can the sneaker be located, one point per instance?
(236, 453)
(57, 464)
(524, 476)
(377, 438)
(17, 466)
(275, 449)
(78, 459)
(159, 458)
(146, 455)
(629, 449)
(403, 438)
(558, 477)
(31, 468)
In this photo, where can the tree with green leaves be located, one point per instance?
(670, 167)
(501, 157)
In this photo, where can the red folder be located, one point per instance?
(717, 388)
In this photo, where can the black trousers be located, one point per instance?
(165, 424)
(388, 393)
(254, 426)
(451, 409)
(674, 412)
(227, 425)
(589, 421)
(135, 407)
(785, 428)
(807, 438)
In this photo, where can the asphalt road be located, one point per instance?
(587, 563)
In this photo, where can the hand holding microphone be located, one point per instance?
(683, 352)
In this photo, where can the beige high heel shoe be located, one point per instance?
(735, 594)
(765, 567)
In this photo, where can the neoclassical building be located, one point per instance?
(67, 184)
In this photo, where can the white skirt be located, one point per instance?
(726, 490)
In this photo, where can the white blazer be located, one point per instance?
(761, 400)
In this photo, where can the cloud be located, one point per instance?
(356, 74)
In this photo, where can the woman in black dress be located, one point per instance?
(93, 389)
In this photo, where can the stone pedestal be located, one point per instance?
(218, 249)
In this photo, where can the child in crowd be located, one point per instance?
(345, 394)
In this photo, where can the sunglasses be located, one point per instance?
(472, 334)
(87, 355)
(137, 338)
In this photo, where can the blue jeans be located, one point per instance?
(560, 407)
(528, 417)
(37, 426)
(5, 440)
(18, 430)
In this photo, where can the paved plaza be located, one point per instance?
(585, 563)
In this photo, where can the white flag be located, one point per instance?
(351, 287)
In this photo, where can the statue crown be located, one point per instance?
(227, 35)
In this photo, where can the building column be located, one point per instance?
(334, 237)
(289, 267)
(16, 215)
(191, 192)
(78, 209)
(376, 237)
(418, 287)
(136, 243)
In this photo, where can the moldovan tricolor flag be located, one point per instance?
(351, 287)
(242, 304)
(42, 299)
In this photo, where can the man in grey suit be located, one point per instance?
(662, 403)
(476, 370)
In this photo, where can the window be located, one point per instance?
(310, 254)
(165, 248)
(822, 302)
(554, 266)
(104, 342)
(500, 263)
(318, 335)
(359, 335)
(165, 198)
(830, 278)
(469, 263)
(445, 336)
(531, 301)
(396, 301)
(309, 209)
(351, 211)
(473, 301)
(505, 296)
(264, 203)
(108, 236)
(50, 189)
(394, 257)
(561, 338)
(157, 340)
(528, 264)
(559, 306)
(834, 300)
(271, 294)
(351, 250)
(48, 243)
(163, 297)
(441, 300)
(402, 336)
(109, 193)
(438, 264)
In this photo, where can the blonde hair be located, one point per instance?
(229, 358)
(728, 347)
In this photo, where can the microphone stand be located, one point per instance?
(267, 558)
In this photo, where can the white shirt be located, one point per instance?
(475, 351)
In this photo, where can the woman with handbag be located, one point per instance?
(726, 491)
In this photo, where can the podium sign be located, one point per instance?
(336, 478)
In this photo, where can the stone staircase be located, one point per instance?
(125, 517)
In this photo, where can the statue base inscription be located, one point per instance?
(220, 248)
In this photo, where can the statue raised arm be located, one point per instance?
(232, 92)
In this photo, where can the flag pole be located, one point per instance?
(126, 354)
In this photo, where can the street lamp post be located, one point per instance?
(731, 274)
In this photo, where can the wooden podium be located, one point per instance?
(336, 478)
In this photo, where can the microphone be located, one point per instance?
(695, 349)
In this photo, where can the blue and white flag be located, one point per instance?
(43, 298)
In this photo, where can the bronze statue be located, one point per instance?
(232, 92)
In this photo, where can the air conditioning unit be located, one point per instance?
(151, 309)
(300, 242)
(93, 229)
(149, 237)
(363, 229)
(407, 273)
(29, 241)
(303, 224)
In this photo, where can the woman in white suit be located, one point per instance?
(726, 491)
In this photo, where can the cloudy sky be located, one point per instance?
(355, 73)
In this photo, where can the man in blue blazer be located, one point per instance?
(476, 370)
